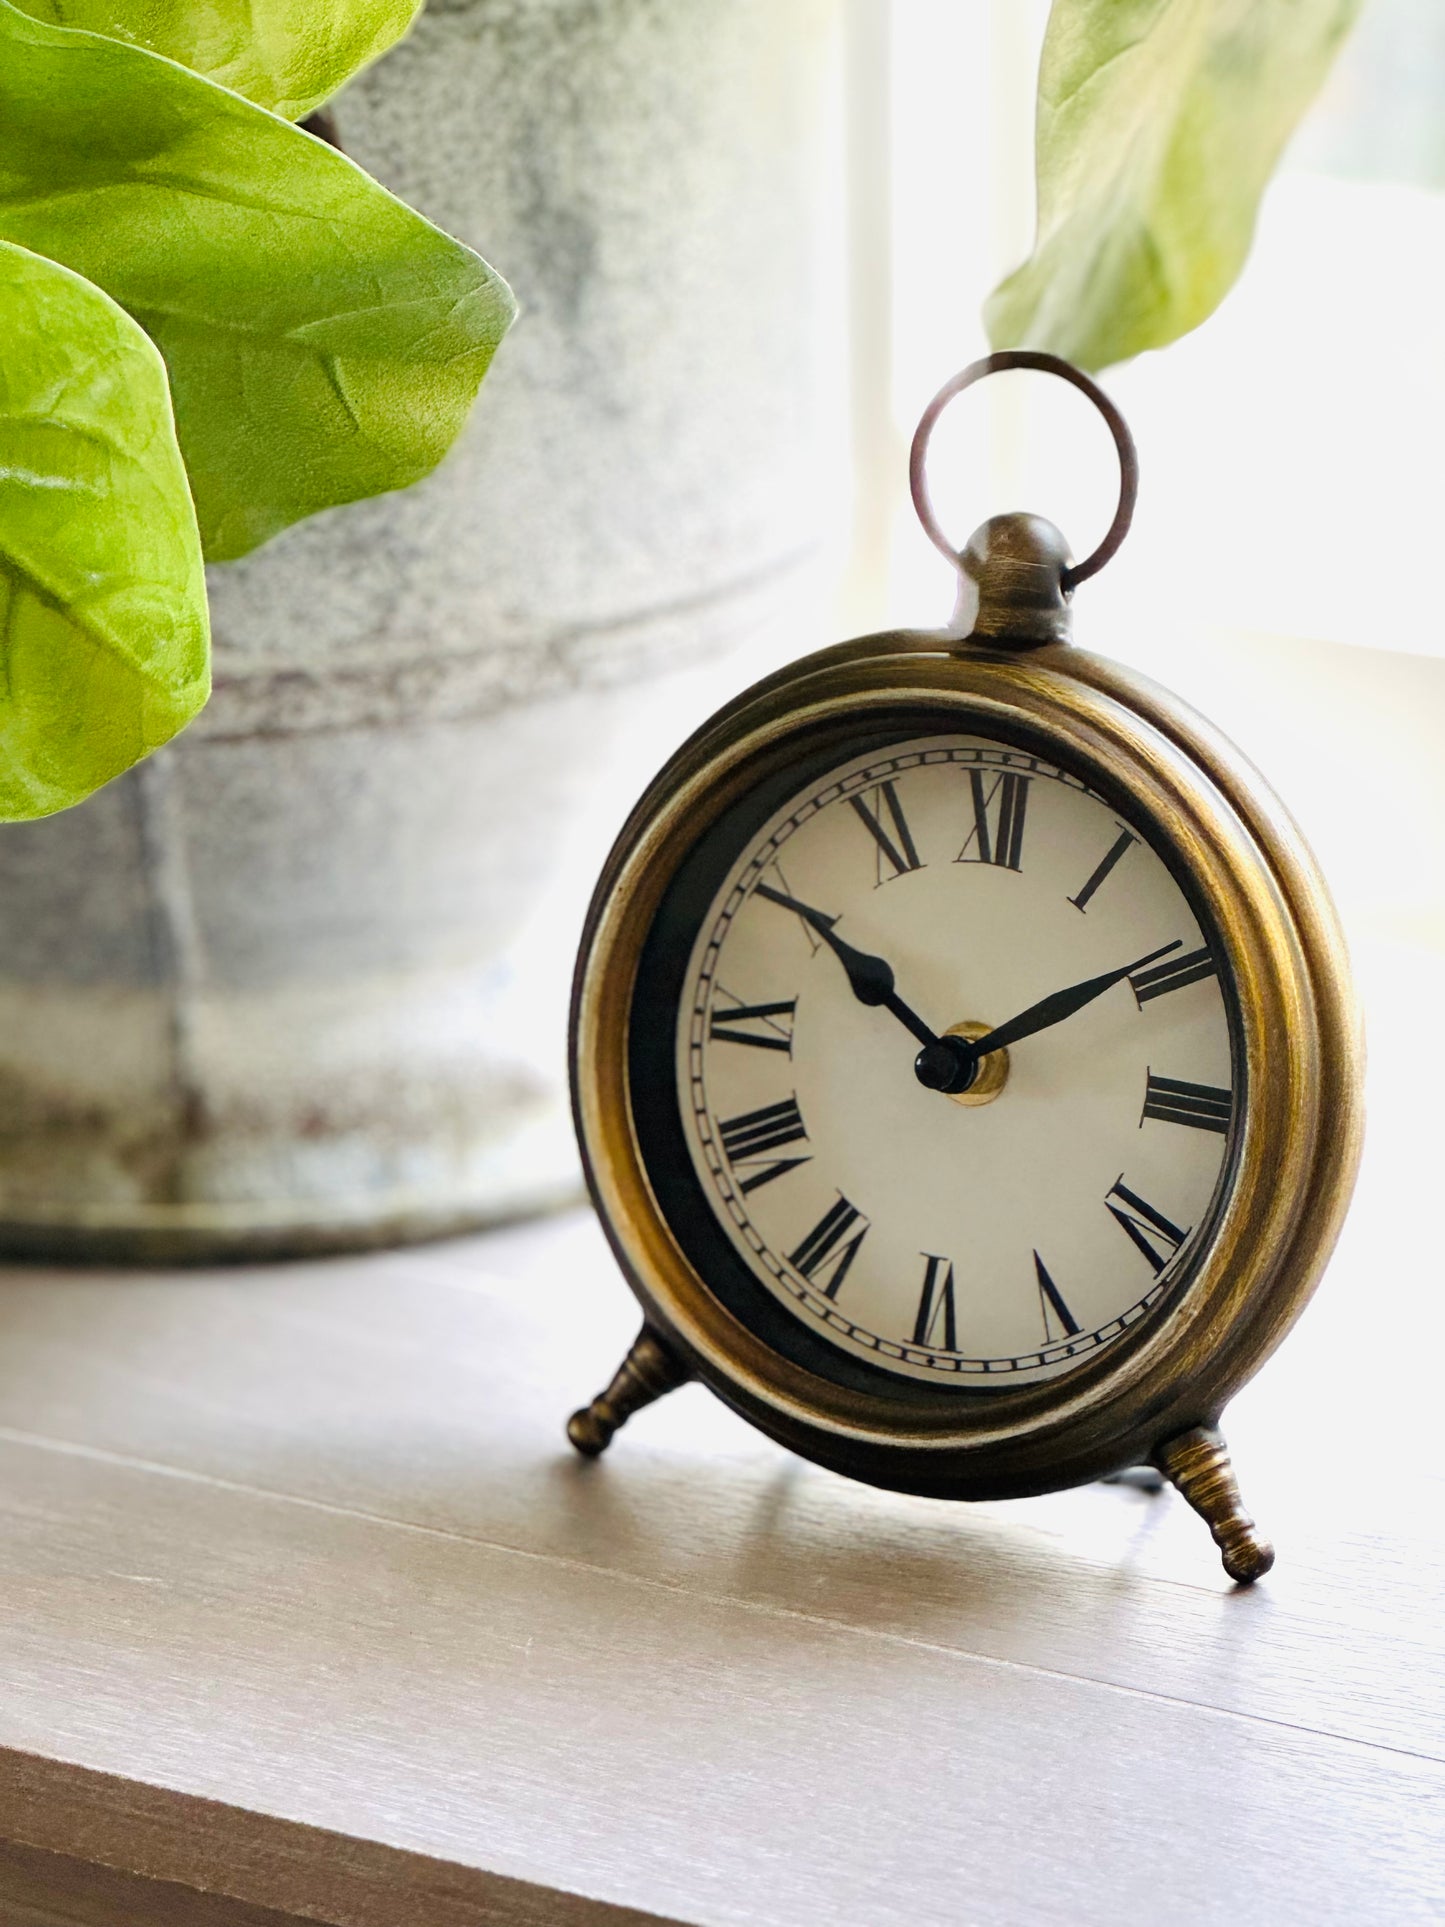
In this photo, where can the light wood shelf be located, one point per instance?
(307, 1612)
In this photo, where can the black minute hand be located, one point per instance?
(871, 978)
(1063, 1003)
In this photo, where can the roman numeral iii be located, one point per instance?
(1173, 974)
(749, 1139)
(1146, 1228)
(826, 1255)
(896, 851)
(937, 1320)
(999, 802)
(1203, 1106)
(763, 1026)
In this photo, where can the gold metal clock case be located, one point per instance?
(1154, 1392)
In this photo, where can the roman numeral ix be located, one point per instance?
(763, 1026)
(896, 848)
(1203, 1106)
(997, 835)
(748, 1140)
(1147, 1228)
(937, 1320)
(1173, 974)
(826, 1255)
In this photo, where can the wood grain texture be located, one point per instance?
(39, 1889)
(209, 1851)
(306, 1605)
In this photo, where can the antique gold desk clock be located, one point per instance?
(964, 1057)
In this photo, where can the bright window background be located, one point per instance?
(1281, 573)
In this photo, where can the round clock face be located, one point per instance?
(950, 1214)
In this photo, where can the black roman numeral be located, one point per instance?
(763, 1026)
(896, 848)
(826, 1254)
(1172, 1101)
(1149, 1229)
(1173, 974)
(748, 1140)
(936, 1305)
(1111, 857)
(997, 835)
(1051, 1299)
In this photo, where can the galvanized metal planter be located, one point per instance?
(272, 992)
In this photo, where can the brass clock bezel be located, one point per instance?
(1294, 1160)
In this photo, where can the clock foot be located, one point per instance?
(648, 1372)
(1197, 1463)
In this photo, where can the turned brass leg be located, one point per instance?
(648, 1371)
(1197, 1462)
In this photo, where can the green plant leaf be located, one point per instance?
(1159, 123)
(288, 55)
(324, 342)
(104, 645)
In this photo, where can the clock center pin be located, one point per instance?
(953, 1069)
(992, 1072)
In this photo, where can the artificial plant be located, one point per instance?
(1159, 123)
(214, 324)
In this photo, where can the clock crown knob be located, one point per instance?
(1011, 584)
(1016, 573)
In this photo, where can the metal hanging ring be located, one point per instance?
(1046, 365)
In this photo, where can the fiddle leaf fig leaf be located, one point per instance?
(1159, 123)
(287, 55)
(323, 341)
(103, 634)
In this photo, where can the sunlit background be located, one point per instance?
(1281, 571)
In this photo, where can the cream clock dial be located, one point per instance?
(954, 1216)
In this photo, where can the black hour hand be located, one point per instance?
(870, 978)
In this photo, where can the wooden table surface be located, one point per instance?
(308, 1612)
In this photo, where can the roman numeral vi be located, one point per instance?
(936, 1306)
(1051, 1299)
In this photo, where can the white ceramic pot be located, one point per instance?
(300, 981)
